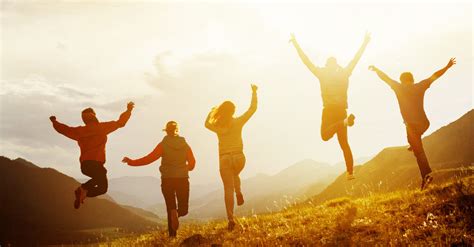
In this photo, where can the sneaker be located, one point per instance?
(174, 220)
(350, 120)
(77, 200)
(240, 199)
(231, 225)
(426, 181)
(350, 176)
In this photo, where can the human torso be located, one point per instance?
(411, 103)
(174, 157)
(334, 85)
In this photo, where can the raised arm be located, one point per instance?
(70, 132)
(151, 157)
(253, 106)
(439, 73)
(392, 83)
(304, 58)
(121, 122)
(350, 67)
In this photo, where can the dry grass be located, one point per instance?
(442, 215)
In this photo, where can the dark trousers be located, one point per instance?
(332, 122)
(175, 189)
(414, 133)
(97, 185)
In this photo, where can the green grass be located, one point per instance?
(442, 215)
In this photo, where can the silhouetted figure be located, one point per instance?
(92, 139)
(177, 160)
(221, 120)
(410, 97)
(334, 82)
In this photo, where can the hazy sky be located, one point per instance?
(177, 60)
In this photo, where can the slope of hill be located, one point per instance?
(449, 150)
(443, 215)
(265, 193)
(36, 206)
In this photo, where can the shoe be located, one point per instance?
(231, 225)
(426, 181)
(174, 220)
(240, 199)
(350, 120)
(83, 194)
(77, 200)
(410, 148)
(350, 176)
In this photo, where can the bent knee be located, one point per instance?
(326, 137)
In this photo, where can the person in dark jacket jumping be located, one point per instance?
(177, 160)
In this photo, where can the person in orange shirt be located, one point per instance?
(92, 139)
(177, 160)
(410, 96)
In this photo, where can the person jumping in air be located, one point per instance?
(334, 82)
(177, 160)
(410, 97)
(228, 128)
(92, 139)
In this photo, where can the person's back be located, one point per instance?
(174, 158)
(411, 102)
(230, 138)
(334, 84)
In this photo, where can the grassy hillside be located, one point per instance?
(441, 215)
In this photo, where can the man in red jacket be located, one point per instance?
(92, 139)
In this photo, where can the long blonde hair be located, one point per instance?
(221, 115)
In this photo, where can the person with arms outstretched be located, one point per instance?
(228, 128)
(334, 83)
(92, 139)
(177, 159)
(410, 98)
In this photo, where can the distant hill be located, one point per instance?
(449, 150)
(264, 193)
(36, 206)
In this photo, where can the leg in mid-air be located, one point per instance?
(334, 120)
(95, 186)
(182, 195)
(414, 139)
(238, 164)
(168, 188)
(346, 149)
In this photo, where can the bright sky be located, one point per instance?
(177, 60)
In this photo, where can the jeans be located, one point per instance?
(414, 133)
(97, 185)
(175, 189)
(230, 166)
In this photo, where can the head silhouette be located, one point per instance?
(224, 113)
(88, 116)
(331, 63)
(171, 128)
(406, 78)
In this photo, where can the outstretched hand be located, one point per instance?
(130, 105)
(292, 38)
(254, 88)
(126, 160)
(451, 62)
(52, 118)
(373, 68)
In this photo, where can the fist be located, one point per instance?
(373, 68)
(367, 37)
(254, 87)
(130, 105)
(292, 37)
(126, 160)
(52, 118)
